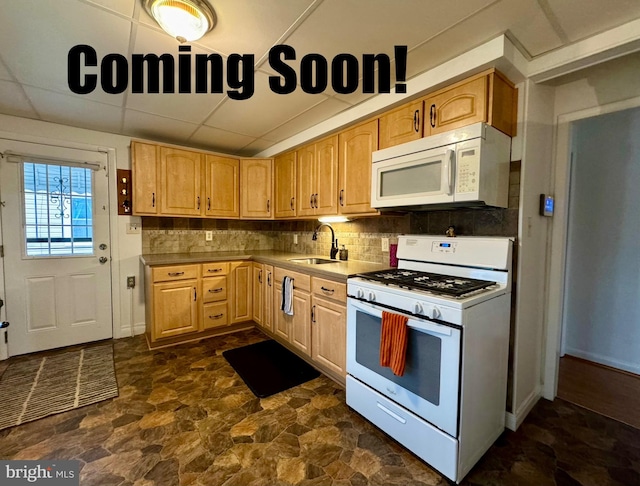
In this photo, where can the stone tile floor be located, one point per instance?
(184, 417)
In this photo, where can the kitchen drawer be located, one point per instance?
(215, 315)
(174, 272)
(423, 439)
(214, 289)
(215, 269)
(300, 280)
(329, 289)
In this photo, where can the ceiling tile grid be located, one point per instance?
(33, 70)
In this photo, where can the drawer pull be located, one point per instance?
(390, 413)
(324, 289)
(175, 274)
(215, 291)
(214, 270)
(217, 316)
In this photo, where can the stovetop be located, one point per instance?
(436, 283)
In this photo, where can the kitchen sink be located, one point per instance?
(312, 261)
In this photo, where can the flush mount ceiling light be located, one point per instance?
(186, 20)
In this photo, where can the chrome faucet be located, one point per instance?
(334, 242)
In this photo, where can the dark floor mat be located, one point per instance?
(268, 367)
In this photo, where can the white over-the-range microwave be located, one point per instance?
(468, 166)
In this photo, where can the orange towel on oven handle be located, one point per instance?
(393, 342)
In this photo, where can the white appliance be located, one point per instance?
(449, 405)
(468, 166)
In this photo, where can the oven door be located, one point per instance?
(425, 177)
(429, 386)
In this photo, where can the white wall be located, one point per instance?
(126, 249)
(602, 306)
(535, 140)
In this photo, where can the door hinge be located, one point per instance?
(1, 251)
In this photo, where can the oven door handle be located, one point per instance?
(422, 325)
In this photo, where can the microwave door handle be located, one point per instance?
(448, 169)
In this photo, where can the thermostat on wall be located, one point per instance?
(546, 205)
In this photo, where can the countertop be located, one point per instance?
(339, 270)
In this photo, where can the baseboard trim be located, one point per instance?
(138, 328)
(604, 360)
(514, 420)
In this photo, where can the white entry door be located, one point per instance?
(57, 260)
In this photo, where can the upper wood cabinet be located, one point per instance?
(145, 178)
(284, 175)
(354, 160)
(256, 188)
(401, 125)
(487, 97)
(180, 182)
(222, 187)
(317, 178)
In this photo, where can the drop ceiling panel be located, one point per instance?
(525, 19)
(74, 110)
(309, 118)
(593, 16)
(124, 7)
(375, 26)
(219, 140)
(40, 58)
(263, 112)
(193, 108)
(14, 102)
(153, 127)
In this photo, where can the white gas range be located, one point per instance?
(449, 405)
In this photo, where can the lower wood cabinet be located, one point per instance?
(269, 292)
(294, 328)
(194, 300)
(175, 308)
(329, 325)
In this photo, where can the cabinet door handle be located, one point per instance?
(214, 270)
(313, 314)
(195, 294)
(153, 199)
(175, 274)
(341, 197)
(215, 291)
(432, 115)
(217, 316)
(324, 289)
(208, 204)
(260, 276)
(269, 279)
(416, 121)
(311, 201)
(315, 200)
(268, 205)
(198, 202)
(292, 207)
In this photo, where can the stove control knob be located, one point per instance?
(434, 312)
(360, 294)
(418, 309)
(372, 297)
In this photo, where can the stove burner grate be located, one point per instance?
(432, 282)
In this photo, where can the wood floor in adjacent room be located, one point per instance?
(608, 391)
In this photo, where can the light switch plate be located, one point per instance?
(133, 228)
(208, 235)
(295, 239)
(385, 244)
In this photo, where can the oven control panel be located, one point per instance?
(443, 246)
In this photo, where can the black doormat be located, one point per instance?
(268, 367)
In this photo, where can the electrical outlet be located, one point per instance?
(131, 282)
(385, 244)
(295, 239)
(133, 228)
(208, 235)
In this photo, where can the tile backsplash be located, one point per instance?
(362, 237)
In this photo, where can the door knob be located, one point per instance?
(103, 260)
(103, 246)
